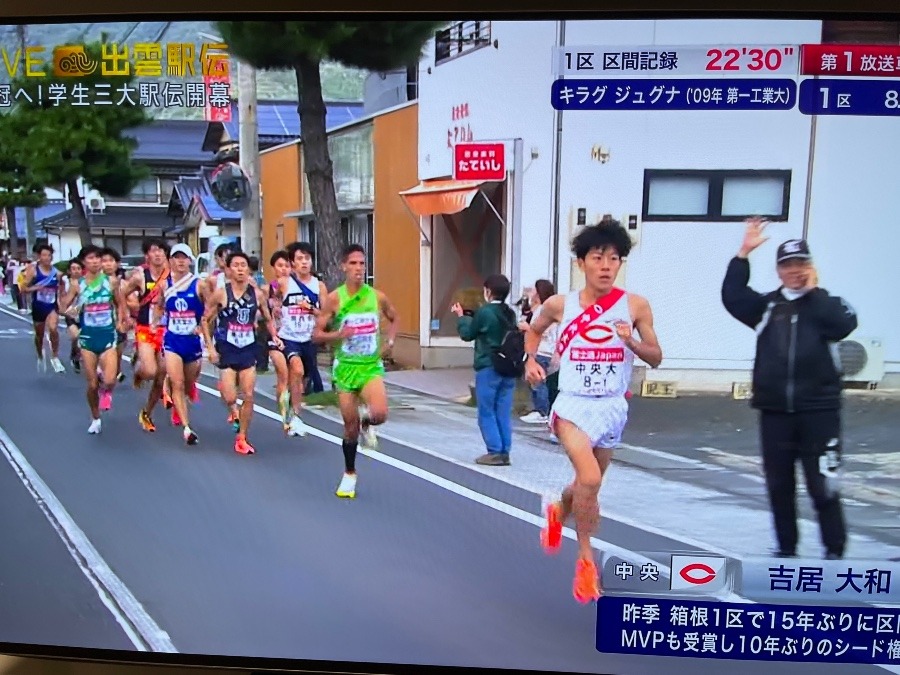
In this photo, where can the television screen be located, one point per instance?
(562, 346)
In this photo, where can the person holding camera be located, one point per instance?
(797, 385)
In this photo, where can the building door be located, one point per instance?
(467, 247)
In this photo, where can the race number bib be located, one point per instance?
(45, 296)
(594, 371)
(182, 323)
(364, 341)
(98, 315)
(240, 335)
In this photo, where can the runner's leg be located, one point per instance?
(295, 378)
(90, 360)
(374, 395)
(156, 388)
(281, 385)
(246, 380)
(109, 367)
(52, 326)
(349, 405)
(39, 330)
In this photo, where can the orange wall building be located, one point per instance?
(375, 158)
(280, 171)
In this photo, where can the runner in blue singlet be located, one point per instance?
(43, 280)
(182, 304)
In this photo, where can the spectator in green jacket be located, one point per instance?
(486, 327)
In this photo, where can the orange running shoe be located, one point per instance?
(242, 447)
(167, 401)
(146, 422)
(586, 586)
(551, 536)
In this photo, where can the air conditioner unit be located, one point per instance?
(97, 204)
(862, 360)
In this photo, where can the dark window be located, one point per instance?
(718, 196)
(460, 38)
(861, 32)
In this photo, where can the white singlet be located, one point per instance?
(297, 323)
(595, 373)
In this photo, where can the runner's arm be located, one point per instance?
(323, 293)
(321, 334)
(263, 305)
(648, 349)
(30, 273)
(551, 312)
(389, 313)
(67, 299)
(209, 315)
(121, 305)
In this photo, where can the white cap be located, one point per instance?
(182, 248)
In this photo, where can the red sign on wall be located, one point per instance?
(855, 60)
(218, 98)
(479, 161)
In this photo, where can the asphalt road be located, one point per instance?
(255, 556)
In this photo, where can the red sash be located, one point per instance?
(586, 318)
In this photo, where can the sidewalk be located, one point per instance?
(697, 497)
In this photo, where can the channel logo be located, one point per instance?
(72, 61)
(700, 575)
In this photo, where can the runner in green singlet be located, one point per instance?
(101, 310)
(351, 318)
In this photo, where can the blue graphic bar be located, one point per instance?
(719, 630)
(674, 94)
(850, 97)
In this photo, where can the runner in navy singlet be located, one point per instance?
(233, 309)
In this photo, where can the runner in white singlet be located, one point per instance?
(596, 350)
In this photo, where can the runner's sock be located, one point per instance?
(349, 448)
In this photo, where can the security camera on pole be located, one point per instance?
(251, 230)
(237, 188)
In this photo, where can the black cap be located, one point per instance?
(793, 249)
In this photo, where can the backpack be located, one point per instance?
(509, 358)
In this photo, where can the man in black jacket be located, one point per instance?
(796, 383)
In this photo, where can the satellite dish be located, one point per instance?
(230, 187)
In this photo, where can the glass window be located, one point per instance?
(678, 196)
(752, 196)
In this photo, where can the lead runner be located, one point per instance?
(596, 349)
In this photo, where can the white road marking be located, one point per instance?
(462, 491)
(139, 626)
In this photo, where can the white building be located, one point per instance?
(496, 86)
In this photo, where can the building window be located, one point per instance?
(460, 38)
(717, 196)
(145, 191)
(861, 32)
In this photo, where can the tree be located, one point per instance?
(301, 46)
(18, 185)
(65, 139)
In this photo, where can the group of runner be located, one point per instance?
(175, 315)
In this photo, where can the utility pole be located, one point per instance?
(251, 221)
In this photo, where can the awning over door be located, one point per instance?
(439, 197)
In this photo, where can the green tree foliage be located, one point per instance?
(302, 46)
(18, 185)
(63, 140)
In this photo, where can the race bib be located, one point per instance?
(593, 371)
(98, 316)
(182, 323)
(240, 335)
(45, 296)
(364, 341)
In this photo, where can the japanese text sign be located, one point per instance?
(479, 161)
(703, 629)
(855, 60)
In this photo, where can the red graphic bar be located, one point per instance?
(853, 60)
